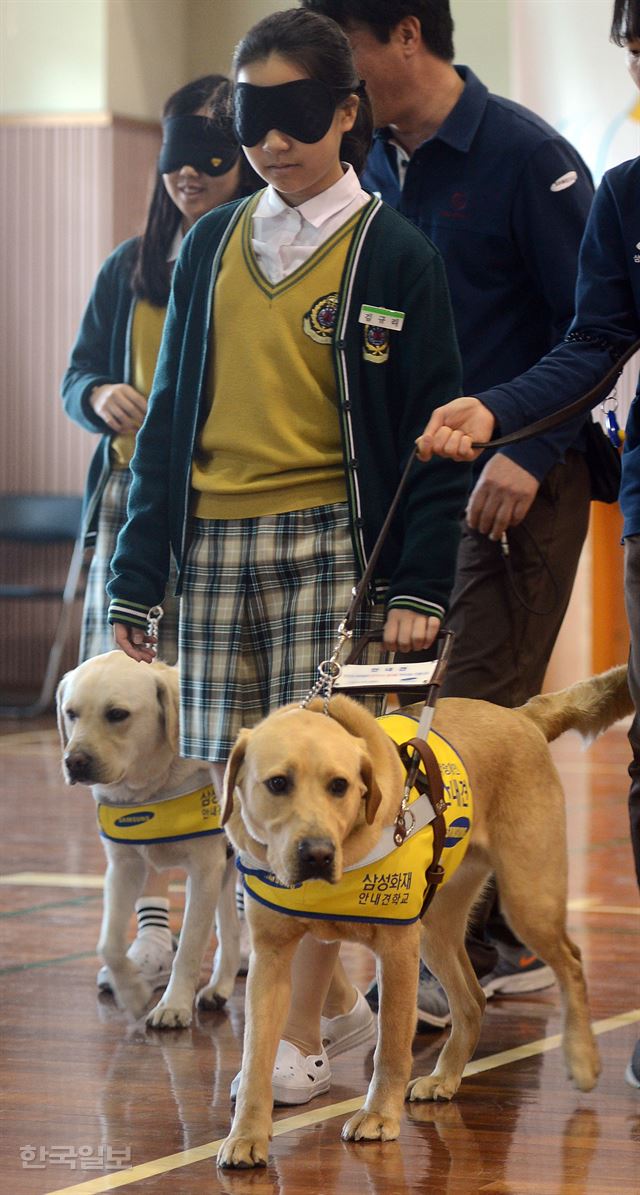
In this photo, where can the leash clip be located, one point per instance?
(328, 671)
(402, 827)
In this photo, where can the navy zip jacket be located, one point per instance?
(505, 199)
(607, 321)
(382, 408)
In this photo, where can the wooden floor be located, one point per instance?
(94, 1104)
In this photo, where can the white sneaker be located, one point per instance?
(296, 1079)
(355, 1028)
(153, 959)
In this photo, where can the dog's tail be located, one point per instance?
(589, 707)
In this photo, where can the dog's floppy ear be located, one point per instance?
(60, 692)
(234, 763)
(168, 702)
(373, 795)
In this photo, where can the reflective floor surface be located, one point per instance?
(93, 1103)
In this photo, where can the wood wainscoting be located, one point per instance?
(73, 187)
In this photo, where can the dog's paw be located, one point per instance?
(210, 998)
(169, 1016)
(243, 1153)
(432, 1087)
(132, 994)
(584, 1067)
(371, 1126)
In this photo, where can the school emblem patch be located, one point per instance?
(376, 344)
(320, 320)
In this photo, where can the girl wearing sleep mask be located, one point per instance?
(280, 425)
(299, 108)
(303, 109)
(196, 141)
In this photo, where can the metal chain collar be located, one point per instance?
(153, 620)
(328, 672)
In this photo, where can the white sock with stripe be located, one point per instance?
(152, 913)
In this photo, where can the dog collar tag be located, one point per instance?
(381, 317)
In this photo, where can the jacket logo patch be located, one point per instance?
(320, 320)
(565, 180)
(376, 344)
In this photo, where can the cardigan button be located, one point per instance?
(353, 463)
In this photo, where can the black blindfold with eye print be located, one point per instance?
(302, 109)
(196, 141)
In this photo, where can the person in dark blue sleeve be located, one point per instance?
(505, 199)
(606, 324)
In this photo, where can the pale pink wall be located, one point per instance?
(70, 192)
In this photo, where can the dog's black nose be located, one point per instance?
(79, 766)
(316, 856)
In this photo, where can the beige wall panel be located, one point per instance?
(481, 40)
(571, 657)
(52, 55)
(126, 56)
(215, 26)
(481, 34)
(146, 54)
(135, 152)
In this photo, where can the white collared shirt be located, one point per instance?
(402, 158)
(284, 237)
(174, 248)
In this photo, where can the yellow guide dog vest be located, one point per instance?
(188, 816)
(390, 884)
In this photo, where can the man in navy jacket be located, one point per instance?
(505, 198)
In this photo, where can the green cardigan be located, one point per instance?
(383, 407)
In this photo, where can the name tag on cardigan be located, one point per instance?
(381, 317)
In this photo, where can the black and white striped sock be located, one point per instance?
(152, 913)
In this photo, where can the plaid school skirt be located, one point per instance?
(261, 603)
(97, 634)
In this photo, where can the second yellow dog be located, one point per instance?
(309, 795)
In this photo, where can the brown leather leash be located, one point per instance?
(416, 749)
(432, 785)
(360, 590)
(329, 669)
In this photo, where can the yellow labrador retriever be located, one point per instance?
(118, 724)
(308, 795)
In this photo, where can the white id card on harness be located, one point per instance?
(385, 676)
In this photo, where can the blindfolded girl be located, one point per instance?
(309, 335)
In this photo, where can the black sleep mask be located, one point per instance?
(195, 141)
(303, 110)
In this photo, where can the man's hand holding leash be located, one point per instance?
(454, 428)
